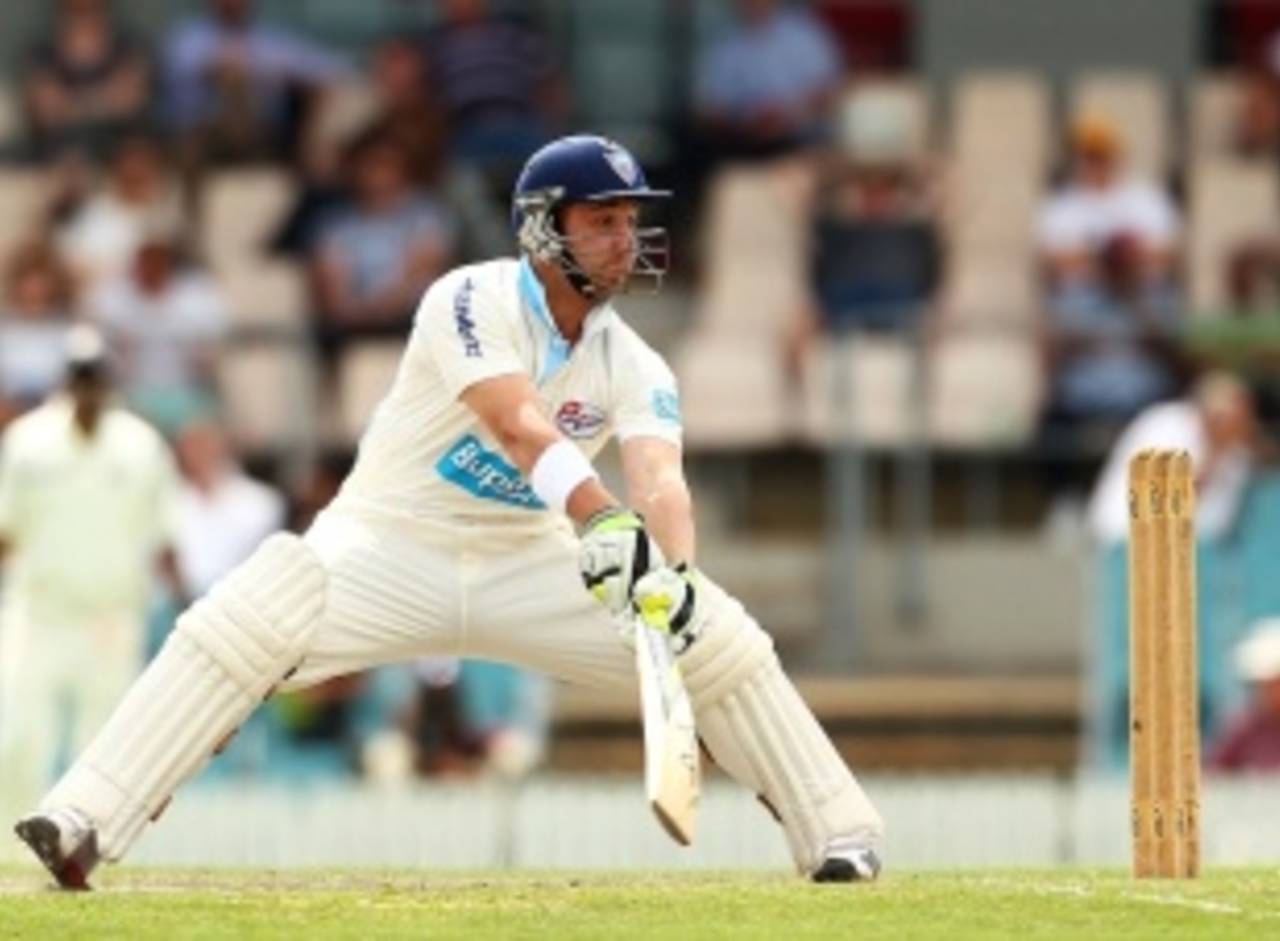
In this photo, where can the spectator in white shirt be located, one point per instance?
(1108, 244)
(222, 513)
(1216, 425)
(166, 323)
(140, 199)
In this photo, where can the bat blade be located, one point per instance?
(672, 772)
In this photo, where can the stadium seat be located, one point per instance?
(365, 372)
(1000, 121)
(267, 391)
(990, 289)
(733, 392)
(882, 411)
(342, 112)
(1215, 102)
(993, 213)
(1000, 152)
(756, 237)
(1230, 200)
(265, 294)
(23, 194)
(1138, 105)
(985, 390)
(240, 211)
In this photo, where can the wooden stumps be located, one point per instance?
(1164, 737)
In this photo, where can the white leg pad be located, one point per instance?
(228, 651)
(762, 733)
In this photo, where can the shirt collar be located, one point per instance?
(534, 296)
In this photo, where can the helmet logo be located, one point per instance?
(622, 163)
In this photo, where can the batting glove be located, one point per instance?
(665, 599)
(615, 552)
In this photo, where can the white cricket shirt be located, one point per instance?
(426, 456)
(83, 516)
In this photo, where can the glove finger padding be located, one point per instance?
(615, 552)
(666, 600)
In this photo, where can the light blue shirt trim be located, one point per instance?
(534, 297)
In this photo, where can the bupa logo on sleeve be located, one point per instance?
(463, 321)
(666, 405)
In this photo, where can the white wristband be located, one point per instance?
(557, 473)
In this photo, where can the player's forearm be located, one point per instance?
(526, 437)
(667, 509)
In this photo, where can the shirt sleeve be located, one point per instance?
(1060, 225)
(1152, 215)
(646, 403)
(460, 327)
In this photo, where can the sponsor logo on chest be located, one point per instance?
(486, 474)
(578, 419)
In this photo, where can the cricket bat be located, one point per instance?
(672, 777)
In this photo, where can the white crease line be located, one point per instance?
(1204, 905)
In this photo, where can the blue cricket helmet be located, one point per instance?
(577, 169)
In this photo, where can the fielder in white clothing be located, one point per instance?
(86, 511)
(453, 535)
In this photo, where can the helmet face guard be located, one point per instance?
(584, 169)
(541, 238)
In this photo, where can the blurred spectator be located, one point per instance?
(34, 320)
(374, 257)
(1253, 276)
(876, 247)
(139, 201)
(402, 108)
(85, 83)
(1252, 741)
(764, 88)
(1108, 244)
(1219, 429)
(222, 513)
(437, 723)
(86, 512)
(408, 109)
(1257, 132)
(497, 83)
(237, 88)
(342, 727)
(509, 709)
(166, 323)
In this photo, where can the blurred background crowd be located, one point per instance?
(938, 269)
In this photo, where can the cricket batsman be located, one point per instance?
(455, 535)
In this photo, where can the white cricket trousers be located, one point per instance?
(394, 594)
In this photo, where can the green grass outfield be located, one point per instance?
(136, 902)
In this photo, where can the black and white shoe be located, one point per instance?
(65, 842)
(848, 862)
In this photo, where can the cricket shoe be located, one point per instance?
(847, 861)
(65, 842)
